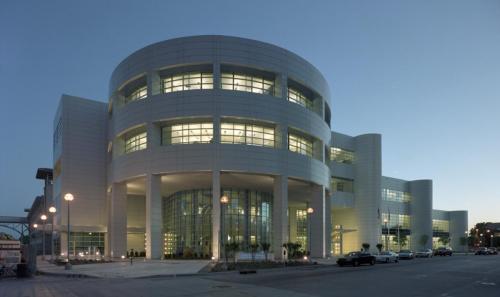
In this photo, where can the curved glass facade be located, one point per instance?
(187, 221)
(187, 224)
(247, 217)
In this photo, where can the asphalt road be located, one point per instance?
(477, 276)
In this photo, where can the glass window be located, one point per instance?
(246, 134)
(300, 145)
(342, 185)
(299, 98)
(341, 155)
(188, 81)
(187, 133)
(86, 243)
(247, 83)
(247, 217)
(396, 196)
(138, 94)
(136, 143)
(301, 221)
(440, 226)
(394, 220)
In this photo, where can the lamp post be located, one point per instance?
(491, 240)
(224, 200)
(386, 235)
(52, 211)
(466, 242)
(68, 197)
(488, 231)
(310, 211)
(43, 218)
(32, 260)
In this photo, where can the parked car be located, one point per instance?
(425, 253)
(406, 254)
(492, 251)
(387, 257)
(443, 251)
(356, 259)
(481, 251)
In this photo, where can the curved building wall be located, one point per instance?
(215, 105)
(367, 185)
(421, 212)
(458, 226)
(221, 82)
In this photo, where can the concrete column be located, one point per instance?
(216, 194)
(367, 189)
(154, 83)
(281, 87)
(216, 75)
(458, 226)
(154, 135)
(153, 217)
(118, 220)
(421, 212)
(280, 215)
(321, 225)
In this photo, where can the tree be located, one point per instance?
(463, 241)
(423, 240)
(401, 240)
(253, 249)
(366, 246)
(445, 240)
(379, 247)
(232, 248)
(265, 248)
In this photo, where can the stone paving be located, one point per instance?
(123, 269)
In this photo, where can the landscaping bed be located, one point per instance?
(247, 265)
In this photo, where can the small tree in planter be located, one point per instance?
(253, 249)
(423, 240)
(379, 247)
(265, 248)
(366, 246)
(232, 248)
(444, 240)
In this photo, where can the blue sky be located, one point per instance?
(424, 74)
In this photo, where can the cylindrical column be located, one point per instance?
(153, 217)
(280, 215)
(368, 188)
(421, 213)
(458, 226)
(216, 215)
(118, 223)
(320, 240)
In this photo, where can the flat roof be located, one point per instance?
(44, 173)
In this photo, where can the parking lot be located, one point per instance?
(439, 276)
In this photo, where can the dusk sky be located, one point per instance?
(424, 74)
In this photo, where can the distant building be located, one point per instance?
(194, 121)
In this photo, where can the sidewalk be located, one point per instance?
(123, 269)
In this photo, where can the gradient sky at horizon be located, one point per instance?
(424, 74)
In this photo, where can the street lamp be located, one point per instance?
(491, 240)
(43, 218)
(386, 235)
(68, 197)
(310, 211)
(224, 200)
(466, 242)
(52, 211)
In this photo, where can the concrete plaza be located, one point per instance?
(439, 276)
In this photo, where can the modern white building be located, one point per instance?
(211, 139)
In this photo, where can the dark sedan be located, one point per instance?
(356, 259)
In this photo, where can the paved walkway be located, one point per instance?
(140, 268)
